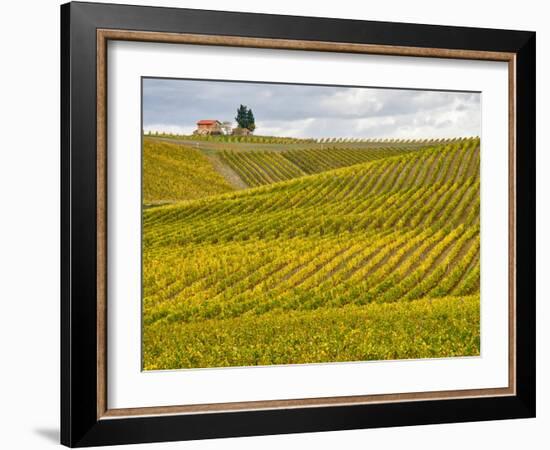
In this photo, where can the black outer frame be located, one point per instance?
(79, 424)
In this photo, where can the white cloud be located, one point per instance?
(167, 128)
(313, 111)
(353, 102)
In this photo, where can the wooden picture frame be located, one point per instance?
(86, 419)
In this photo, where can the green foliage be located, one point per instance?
(377, 260)
(245, 118)
(242, 116)
(173, 172)
(251, 122)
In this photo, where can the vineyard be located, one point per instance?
(330, 254)
(265, 167)
(255, 139)
(170, 173)
(214, 143)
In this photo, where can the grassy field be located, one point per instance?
(337, 254)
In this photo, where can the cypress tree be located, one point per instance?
(242, 116)
(251, 125)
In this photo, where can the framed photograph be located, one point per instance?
(276, 224)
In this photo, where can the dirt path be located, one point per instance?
(223, 169)
(227, 172)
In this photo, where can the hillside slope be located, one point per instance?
(374, 261)
(260, 167)
(174, 172)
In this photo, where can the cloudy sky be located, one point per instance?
(312, 111)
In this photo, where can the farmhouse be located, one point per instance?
(208, 126)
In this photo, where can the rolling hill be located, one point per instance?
(319, 263)
(173, 172)
(265, 167)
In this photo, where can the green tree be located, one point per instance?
(245, 118)
(251, 125)
(242, 116)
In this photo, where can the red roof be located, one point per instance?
(207, 122)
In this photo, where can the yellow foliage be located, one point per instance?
(173, 172)
(379, 260)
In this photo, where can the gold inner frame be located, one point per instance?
(103, 36)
